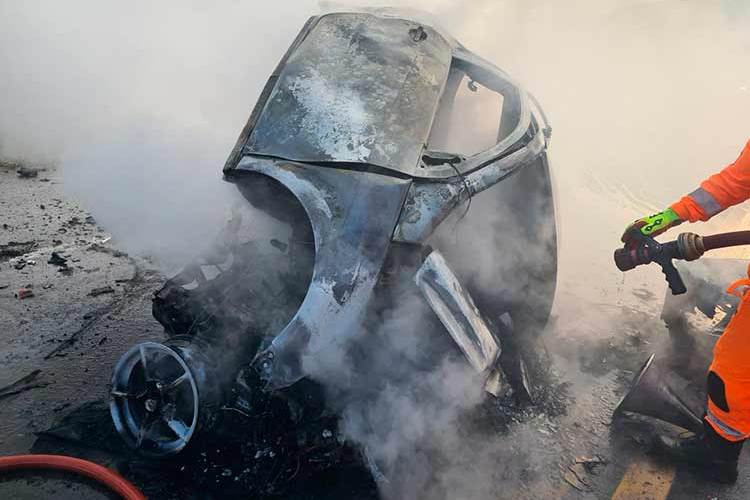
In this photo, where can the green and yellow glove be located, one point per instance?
(652, 225)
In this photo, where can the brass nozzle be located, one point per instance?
(690, 246)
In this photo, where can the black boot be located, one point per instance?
(715, 456)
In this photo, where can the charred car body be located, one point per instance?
(349, 147)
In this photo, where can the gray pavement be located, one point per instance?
(72, 337)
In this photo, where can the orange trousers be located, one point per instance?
(728, 381)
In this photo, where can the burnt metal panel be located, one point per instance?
(353, 215)
(236, 154)
(429, 203)
(457, 312)
(358, 89)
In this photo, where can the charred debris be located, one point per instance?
(241, 394)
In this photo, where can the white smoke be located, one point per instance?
(140, 104)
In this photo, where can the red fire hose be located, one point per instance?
(103, 475)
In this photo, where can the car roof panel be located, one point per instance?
(359, 88)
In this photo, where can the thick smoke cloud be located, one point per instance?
(638, 92)
(140, 104)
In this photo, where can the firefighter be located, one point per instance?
(727, 419)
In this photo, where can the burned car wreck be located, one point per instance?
(348, 152)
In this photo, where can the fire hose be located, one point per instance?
(101, 474)
(688, 246)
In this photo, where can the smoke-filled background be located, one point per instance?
(140, 104)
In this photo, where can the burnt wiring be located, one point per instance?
(468, 191)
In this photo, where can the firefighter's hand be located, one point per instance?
(652, 225)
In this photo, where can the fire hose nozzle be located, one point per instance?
(687, 246)
(690, 246)
(625, 260)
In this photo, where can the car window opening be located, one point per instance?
(469, 116)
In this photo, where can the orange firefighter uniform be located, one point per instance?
(728, 382)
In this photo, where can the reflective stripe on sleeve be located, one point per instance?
(706, 201)
(724, 427)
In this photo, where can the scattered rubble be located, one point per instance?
(98, 247)
(57, 260)
(15, 248)
(101, 291)
(142, 280)
(591, 463)
(22, 385)
(576, 474)
(576, 477)
(236, 462)
(26, 172)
